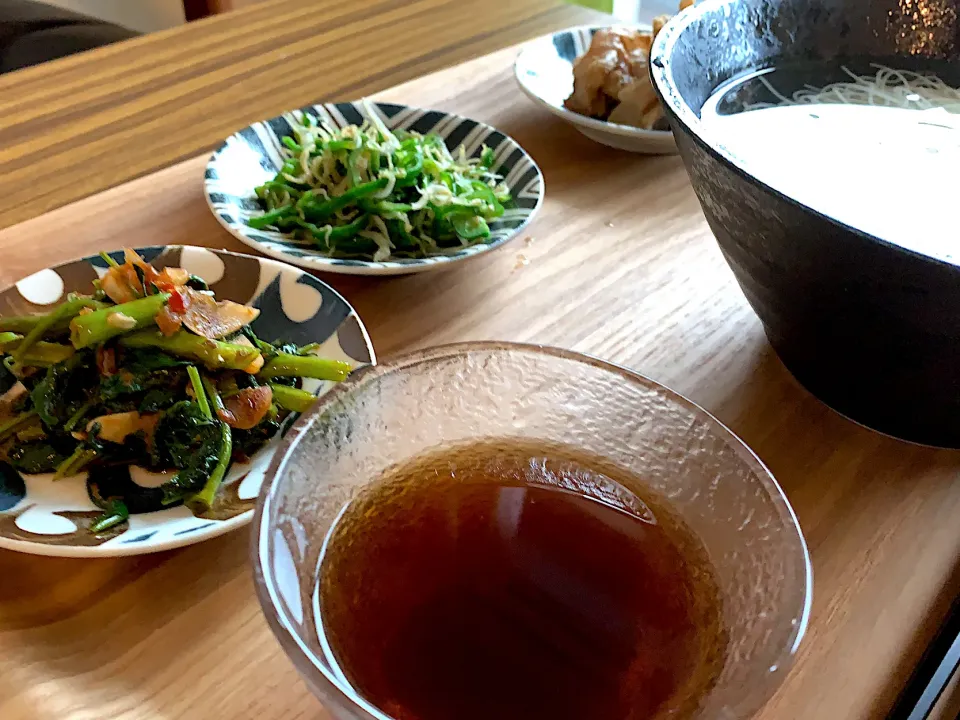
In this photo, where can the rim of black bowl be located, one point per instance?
(680, 112)
(276, 612)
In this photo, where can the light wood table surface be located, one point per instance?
(86, 123)
(619, 264)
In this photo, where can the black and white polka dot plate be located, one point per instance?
(252, 156)
(43, 517)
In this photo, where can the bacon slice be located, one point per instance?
(247, 408)
(214, 320)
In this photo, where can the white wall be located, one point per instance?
(643, 10)
(141, 15)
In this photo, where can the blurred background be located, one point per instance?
(151, 15)
(35, 31)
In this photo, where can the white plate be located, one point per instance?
(252, 156)
(544, 70)
(43, 517)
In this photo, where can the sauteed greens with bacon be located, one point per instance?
(149, 369)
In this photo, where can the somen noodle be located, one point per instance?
(877, 151)
(889, 87)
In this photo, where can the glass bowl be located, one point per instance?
(390, 413)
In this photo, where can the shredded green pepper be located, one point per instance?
(373, 193)
(469, 227)
(314, 211)
(270, 218)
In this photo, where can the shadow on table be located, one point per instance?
(140, 636)
(949, 707)
(50, 596)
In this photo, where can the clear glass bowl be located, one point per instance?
(390, 413)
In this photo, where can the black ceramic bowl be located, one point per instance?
(870, 328)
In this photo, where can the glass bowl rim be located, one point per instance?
(283, 627)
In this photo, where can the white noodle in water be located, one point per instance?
(879, 152)
(889, 87)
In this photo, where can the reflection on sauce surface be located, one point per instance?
(512, 581)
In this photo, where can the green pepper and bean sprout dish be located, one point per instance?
(151, 370)
(366, 192)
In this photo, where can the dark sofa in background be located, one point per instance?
(33, 32)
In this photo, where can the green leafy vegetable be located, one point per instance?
(108, 385)
(197, 283)
(292, 399)
(188, 440)
(63, 389)
(114, 515)
(18, 422)
(69, 309)
(284, 365)
(158, 399)
(37, 457)
(7, 379)
(246, 443)
(39, 354)
(107, 484)
(101, 325)
(212, 353)
(202, 500)
(74, 464)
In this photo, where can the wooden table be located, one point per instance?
(619, 264)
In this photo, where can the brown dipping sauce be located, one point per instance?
(506, 580)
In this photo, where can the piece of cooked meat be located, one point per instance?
(611, 80)
(639, 106)
(617, 56)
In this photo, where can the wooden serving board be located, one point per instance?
(620, 264)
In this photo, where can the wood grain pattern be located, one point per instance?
(209, 7)
(228, 5)
(77, 126)
(620, 264)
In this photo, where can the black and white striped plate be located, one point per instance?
(544, 70)
(252, 156)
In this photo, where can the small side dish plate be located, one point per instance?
(44, 517)
(544, 70)
(252, 156)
